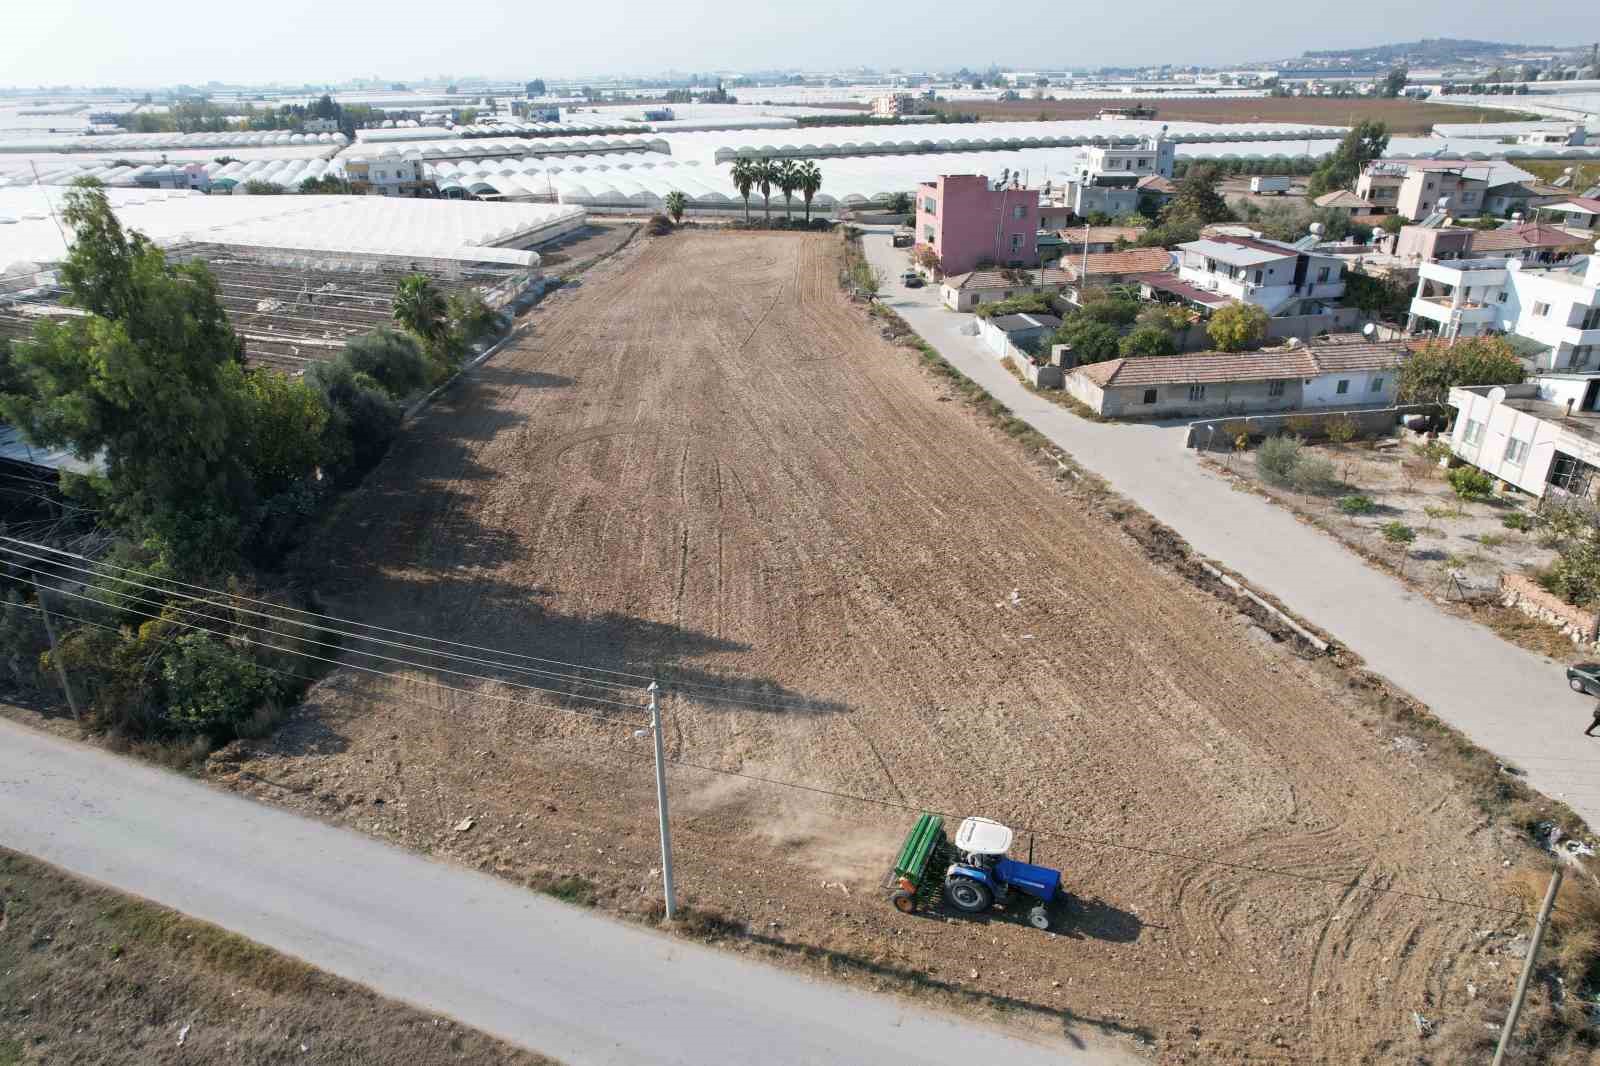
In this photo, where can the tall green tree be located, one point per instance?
(1394, 82)
(1197, 201)
(148, 381)
(1360, 146)
(744, 179)
(420, 307)
(786, 175)
(766, 175)
(810, 182)
(1237, 327)
(1429, 374)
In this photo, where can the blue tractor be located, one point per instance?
(977, 875)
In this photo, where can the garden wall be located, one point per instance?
(1525, 594)
(1218, 433)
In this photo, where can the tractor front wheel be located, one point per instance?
(904, 901)
(968, 895)
(1038, 917)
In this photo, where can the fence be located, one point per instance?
(1218, 434)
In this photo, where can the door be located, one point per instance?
(1591, 395)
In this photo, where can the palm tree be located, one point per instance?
(676, 202)
(810, 182)
(744, 179)
(766, 174)
(787, 176)
(420, 307)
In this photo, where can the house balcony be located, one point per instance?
(1443, 310)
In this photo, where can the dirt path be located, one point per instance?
(704, 461)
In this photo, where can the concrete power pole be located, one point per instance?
(55, 654)
(1539, 926)
(661, 803)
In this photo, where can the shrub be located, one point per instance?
(1470, 483)
(1354, 505)
(1341, 429)
(394, 361)
(1276, 459)
(1092, 342)
(1237, 327)
(362, 418)
(1112, 310)
(23, 643)
(659, 225)
(1147, 340)
(1521, 521)
(1397, 533)
(1313, 474)
(212, 689)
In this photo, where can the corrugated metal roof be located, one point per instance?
(15, 448)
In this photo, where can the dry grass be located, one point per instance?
(88, 975)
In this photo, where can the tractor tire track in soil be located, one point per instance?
(703, 461)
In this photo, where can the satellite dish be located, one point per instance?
(1369, 330)
(1497, 395)
(1316, 229)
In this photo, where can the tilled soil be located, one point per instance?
(702, 461)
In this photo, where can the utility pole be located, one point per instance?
(661, 803)
(55, 654)
(1527, 967)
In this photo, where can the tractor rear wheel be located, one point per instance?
(1038, 917)
(968, 895)
(904, 901)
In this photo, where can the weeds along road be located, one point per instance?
(517, 965)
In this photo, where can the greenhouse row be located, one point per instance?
(509, 146)
(156, 141)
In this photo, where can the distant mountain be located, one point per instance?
(1435, 51)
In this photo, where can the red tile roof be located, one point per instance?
(985, 280)
(1105, 264)
(1517, 238)
(1205, 368)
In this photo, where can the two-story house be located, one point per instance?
(1417, 188)
(967, 222)
(1107, 180)
(1282, 279)
(1553, 308)
(388, 177)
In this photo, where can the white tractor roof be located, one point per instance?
(980, 836)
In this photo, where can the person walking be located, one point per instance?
(1594, 724)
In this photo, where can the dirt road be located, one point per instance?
(704, 461)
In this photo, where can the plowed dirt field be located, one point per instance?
(703, 461)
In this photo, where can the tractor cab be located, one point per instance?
(980, 841)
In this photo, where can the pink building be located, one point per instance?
(966, 223)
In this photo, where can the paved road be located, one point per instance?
(1510, 701)
(550, 977)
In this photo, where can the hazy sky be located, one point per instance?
(127, 42)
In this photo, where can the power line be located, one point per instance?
(706, 687)
(382, 673)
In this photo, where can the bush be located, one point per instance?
(1147, 340)
(23, 643)
(212, 689)
(1237, 327)
(1112, 310)
(1091, 341)
(1313, 475)
(1520, 521)
(392, 360)
(659, 225)
(362, 418)
(1470, 483)
(1276, 459)
(1341, 429)
(1354, 505)
(1397, 532)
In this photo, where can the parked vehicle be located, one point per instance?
(1263, 184)
(973, 874)
(904, 240)
(1584, 678)
(911, 279)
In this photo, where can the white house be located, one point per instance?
(1542, 436)
(1554, 308)
(1580, 212)
(1279, 278)
(1107, 181)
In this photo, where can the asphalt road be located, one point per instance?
(1508, 700)
(554, 978)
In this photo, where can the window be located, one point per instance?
(1149, 395)
(1258, 277)
(1377, 384)
(1501, 298)
(1343, 386)
(1018, 211)
(1143, 163)
(1473, 433)
(1541, 309)
(927, 233)
(1516, 451)
(1016, 242)
(1322, 276)
(1274, 388)
(930, 206)
(1592, 319)
(1197, 393)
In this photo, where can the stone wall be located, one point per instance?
(1525, 595)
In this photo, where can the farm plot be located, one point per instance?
(703, 461)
